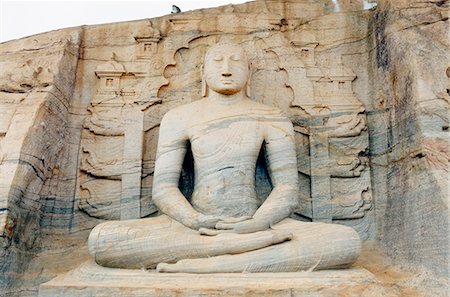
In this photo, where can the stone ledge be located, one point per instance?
(91, 280)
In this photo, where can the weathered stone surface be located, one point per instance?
(37, 80)
(225, 227)
(168, 75)
(387, 159)
(409, 120)
(92, 280)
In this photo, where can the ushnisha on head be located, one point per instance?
(226, 70)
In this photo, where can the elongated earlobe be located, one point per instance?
(247, 86)
(204, 87)
(247, 90)
(204, 84)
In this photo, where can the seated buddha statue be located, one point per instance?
(224, 227)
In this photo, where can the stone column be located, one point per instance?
(320, 178)
(130, 203)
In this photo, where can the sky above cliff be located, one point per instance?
(24, 18)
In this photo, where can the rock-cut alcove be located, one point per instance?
(366, 91)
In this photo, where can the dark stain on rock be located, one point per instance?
(389, 135)
(419, 155)
(12, 91)
(407, 103)
(382, 52)
(26, 86)
(364, 153)
(441, 3)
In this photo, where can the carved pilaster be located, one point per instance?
(112, 146)
(320, 178)
(132, 164)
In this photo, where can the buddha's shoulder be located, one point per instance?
(263, 110)
(183, 112)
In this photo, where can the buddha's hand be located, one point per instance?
(210, 221)
(248, 226)
(236, 225)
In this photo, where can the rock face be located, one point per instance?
(366, 90)
(226, 132)
(409, 123)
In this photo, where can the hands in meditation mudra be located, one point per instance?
(225, 227)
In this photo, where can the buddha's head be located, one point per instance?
(226, 69)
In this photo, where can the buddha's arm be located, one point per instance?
(166, 195)
(281, 160)
(282, 164)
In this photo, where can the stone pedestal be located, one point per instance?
(91, 280)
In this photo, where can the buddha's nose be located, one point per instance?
(226, 69)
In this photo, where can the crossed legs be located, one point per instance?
(171, 247)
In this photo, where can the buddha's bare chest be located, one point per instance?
(226, 140)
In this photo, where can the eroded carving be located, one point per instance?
(351, 197)
(318, 99)
(224, 227)
(95, 166)
(117, 117)
(147, 42)
(100, 198)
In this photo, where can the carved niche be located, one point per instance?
(134, 92)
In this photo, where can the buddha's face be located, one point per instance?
(226, 69)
